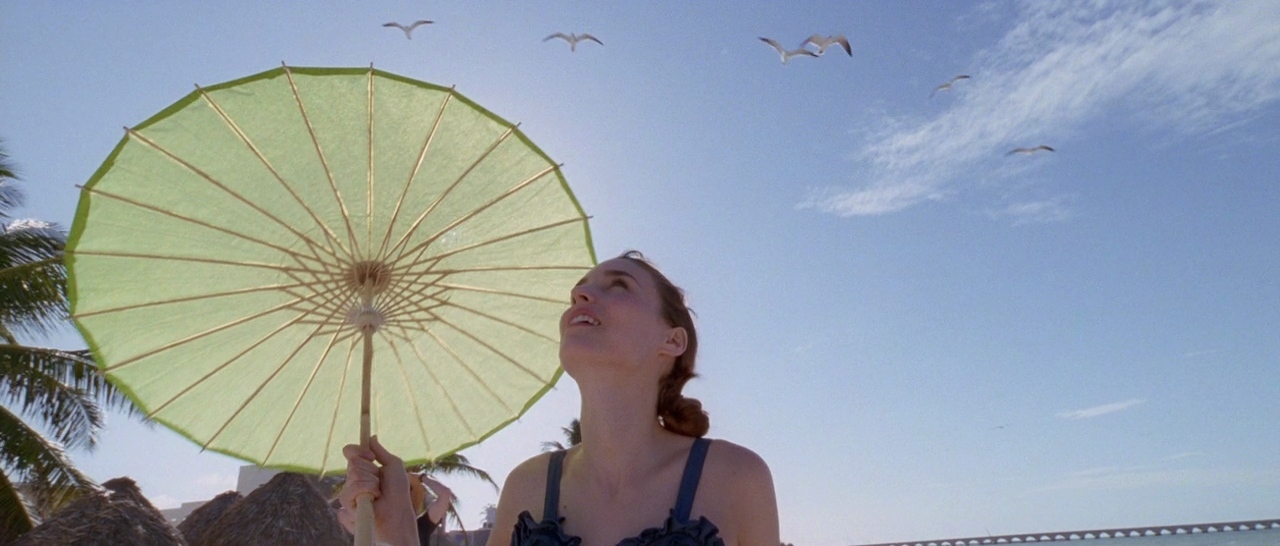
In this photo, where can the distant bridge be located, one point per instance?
(1150, 531)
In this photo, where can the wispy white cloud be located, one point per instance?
(1191, 66)
(1098, 411)
(1036, 212)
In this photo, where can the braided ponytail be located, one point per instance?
(676, 412)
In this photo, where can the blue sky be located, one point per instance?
(923, 336)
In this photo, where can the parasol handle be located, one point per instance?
(364, 502)
(364, 520)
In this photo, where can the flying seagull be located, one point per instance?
(824, 43)
(1030, 151)
(573, 39)
(408, 31)
(948, 85)
(785, 54)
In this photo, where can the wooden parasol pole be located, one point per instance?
(364, 502)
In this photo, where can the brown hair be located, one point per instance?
(676, 413)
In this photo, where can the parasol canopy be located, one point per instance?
(241, 257)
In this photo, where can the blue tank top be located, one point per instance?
(676, 531)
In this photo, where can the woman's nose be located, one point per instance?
(582, 294)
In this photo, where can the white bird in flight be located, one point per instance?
(573, 39)
(948, 85)
(787, 54)
(408, 31)
(1029, 151)
(824, 43)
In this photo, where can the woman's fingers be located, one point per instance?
(395, 480)
(353, 451)
(382, 455)
(363, 475)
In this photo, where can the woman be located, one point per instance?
(433, 512)
(640, 476)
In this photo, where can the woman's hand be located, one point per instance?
(376, 472)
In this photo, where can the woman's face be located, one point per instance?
(615, 315)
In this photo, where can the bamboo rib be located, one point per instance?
(202, 223)
(342, 206)
(226, 118)
(483, 290)
(329, 306)
(333, 423)
(489, 269)
(509, 236)
(491, 348)
(221, 367)
(501, 321)
(141, 256)
(368, 210)
(432, 207)
(475, 212)
(453, 405)
(413, 400)
(419, 296)
(456, 358)
(195, 337)
(262, 386)
(298, 402)
(196, 170)
(422, 154)
(242, 291)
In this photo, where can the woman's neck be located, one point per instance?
(621, 438)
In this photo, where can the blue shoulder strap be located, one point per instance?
(689, 483)
(551, 506)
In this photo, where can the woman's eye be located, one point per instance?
(618, 282)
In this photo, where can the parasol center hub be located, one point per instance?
(371, 276)
(366, 318)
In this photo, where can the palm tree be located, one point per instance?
(454, 465)
(51, 400)
(572, 435)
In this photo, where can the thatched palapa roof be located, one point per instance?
(202, 519)
(121, 515)
(286, 511)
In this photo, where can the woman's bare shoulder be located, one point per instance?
(738, 463)
(524, 489)
(528, 480)
(742, 498)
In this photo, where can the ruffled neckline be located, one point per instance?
(549, 532)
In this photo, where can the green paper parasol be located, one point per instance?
(243, 254)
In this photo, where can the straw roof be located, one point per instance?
(202, 519)
(121, 515)
(286, 511)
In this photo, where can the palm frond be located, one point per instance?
(37, 467)
(17, 516)
(457, 519)
(62, 389)
(10, 195)
(454, 465)
(572, 437)
(573, 432)
(33, 278)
